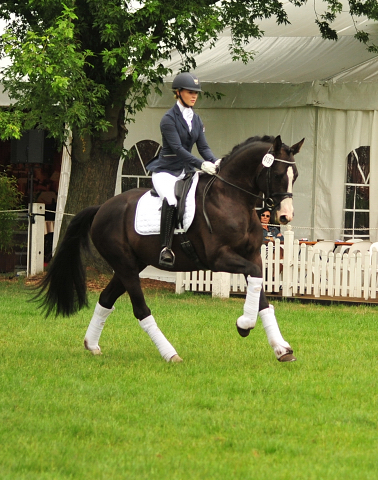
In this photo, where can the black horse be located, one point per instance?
(226, 235)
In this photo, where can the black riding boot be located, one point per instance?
(167, 228)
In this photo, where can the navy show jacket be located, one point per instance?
(175, 154)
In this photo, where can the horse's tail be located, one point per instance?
(63, 289)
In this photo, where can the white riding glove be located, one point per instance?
(209, 167)
(217, 162)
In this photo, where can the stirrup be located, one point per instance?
(167, 257)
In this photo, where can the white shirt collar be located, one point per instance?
(187, 113)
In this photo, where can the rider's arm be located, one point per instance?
(203, 147)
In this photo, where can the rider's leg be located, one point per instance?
(167, 228)
(164, 184)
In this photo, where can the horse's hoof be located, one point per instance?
(288, 357)
(175, 359)
(95, 351)
(242, 331)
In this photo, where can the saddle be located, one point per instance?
(182, 188)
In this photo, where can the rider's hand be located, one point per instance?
(217, 162)
(209, 167)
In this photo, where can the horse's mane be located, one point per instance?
(255, 139)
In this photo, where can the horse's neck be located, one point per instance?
(243, 171)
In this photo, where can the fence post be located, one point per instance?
(37, 239)
(287, 272)
(221, 284)
(180, 287)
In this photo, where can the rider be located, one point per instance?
(181, 128)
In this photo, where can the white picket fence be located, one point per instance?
(302, 271)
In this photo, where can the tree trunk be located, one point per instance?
(94, 166)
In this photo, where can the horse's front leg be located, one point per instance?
(256, 303)
(255, 299)
(281, 348)
(247, 321)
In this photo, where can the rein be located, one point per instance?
(269, 201)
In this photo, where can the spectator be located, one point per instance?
(270, 231)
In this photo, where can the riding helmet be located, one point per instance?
(188, 81)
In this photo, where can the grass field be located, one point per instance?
(229, 411)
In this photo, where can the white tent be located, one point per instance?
(298, 85)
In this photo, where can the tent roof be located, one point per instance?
(293, 53)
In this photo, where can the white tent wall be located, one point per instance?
(226, 128)
(338, 133)
(334, 119)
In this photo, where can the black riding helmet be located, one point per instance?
(188, 81)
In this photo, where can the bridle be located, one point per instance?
(269, 200)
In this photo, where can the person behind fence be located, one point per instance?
(180, 128)
(270, 231)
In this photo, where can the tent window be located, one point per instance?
(356, 208)
(134, 172)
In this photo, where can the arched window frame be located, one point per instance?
(140, 153)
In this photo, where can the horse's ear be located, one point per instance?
(295, 148)
(277, 144)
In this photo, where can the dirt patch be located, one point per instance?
(96, 282)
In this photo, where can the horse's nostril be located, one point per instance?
(284, 220)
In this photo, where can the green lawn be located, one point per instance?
(229, 411)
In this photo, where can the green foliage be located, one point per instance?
(10, 199)
(73, 61)
(229, 411)
(47, 80)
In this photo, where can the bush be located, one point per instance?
(10, 199)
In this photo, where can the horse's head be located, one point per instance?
(277, 177)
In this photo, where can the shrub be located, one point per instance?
(10, 199)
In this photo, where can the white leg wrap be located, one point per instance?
(251, 306)
(275, 339)
(165, 348)
(95, 327)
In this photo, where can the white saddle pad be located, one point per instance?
(147, 216)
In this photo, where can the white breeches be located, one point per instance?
(164, 184)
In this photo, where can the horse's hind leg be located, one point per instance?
(127, 279)
(102, 310)
(147, 321)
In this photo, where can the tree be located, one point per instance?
(89, 65)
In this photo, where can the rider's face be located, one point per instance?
(189, 97)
